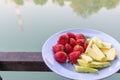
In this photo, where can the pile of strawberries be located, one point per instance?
(69, 46)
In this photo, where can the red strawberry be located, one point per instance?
(78, 48)
(73, 56)
(58, 47)
(80, 36)
(80, 42)
(72, 42)
(68, 48)
(63, 39)
(71, 35)
(85, 44)
(61, 57)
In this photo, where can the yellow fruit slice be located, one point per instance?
(86, 69)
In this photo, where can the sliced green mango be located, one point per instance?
(99, 64)
(100, 43)
(86, 69)
(111, 54)
(86, 58)
(96, 53)
(83, 63)
(89, 46)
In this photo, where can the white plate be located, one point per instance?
(67, 70)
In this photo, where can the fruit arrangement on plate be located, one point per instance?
(86, 54)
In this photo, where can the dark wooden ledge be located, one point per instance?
(22, 61)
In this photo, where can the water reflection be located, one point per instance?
(37, 2)
(82, 7)
(41, 18)
(86, 8)
(19, 2)
(19, 16)
(40, 2)
(59, 2)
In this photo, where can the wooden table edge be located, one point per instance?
(23, 61)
